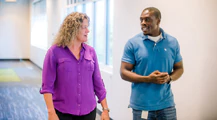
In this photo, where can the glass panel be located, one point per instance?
(79, 8)
(70, 10)
(89, 12)
(110, 39)
(100, 40)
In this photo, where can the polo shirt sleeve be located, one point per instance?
(178, 57)
(99, 87)
(128, 55)
(48, 73)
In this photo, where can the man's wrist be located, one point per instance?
(146, 79)
(170, 80)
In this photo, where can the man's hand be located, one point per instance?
(159, 77)
(105, 115)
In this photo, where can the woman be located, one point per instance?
(71, 76)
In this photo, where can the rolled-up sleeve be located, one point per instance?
(99, 87)
(48, 73)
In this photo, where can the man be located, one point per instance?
(151, 61)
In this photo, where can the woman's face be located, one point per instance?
(83, 32)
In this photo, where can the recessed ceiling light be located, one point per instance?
(10, 0)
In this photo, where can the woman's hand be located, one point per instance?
(105, 115)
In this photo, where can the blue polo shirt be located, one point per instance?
(148, 56)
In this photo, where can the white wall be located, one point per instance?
(55, 12)
(193, 23)
(14, 30)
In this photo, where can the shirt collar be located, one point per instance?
(84, 46)
(145, 37)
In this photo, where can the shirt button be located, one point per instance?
(78, 104)
(79, 73)
(78, 62)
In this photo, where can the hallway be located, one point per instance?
(20, 99)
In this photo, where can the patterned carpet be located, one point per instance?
(19, 91)
(21, 102)
(8, 75)
(20, 99)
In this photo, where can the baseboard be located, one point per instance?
(35, 64)
(15, 59)
(23, 59)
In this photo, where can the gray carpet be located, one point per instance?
(21, 100)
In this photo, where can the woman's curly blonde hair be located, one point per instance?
(70, 28)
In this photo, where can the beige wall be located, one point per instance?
(193, 23)
(14, 29)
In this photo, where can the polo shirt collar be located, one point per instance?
(145, 37)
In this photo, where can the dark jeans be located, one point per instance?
(164, 114)
(63, 116)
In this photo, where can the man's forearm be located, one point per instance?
(133, 77)
(176, 74)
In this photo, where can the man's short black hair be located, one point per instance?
(157, 13)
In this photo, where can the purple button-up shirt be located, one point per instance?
(73, 83)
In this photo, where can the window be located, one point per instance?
(110, 32)
(69, 10)
(79, 8)
(100, 31)
(100, 37)
(89, 12)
